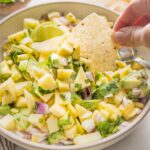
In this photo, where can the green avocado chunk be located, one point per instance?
(90, 104)
(5, 109)
(45, 31)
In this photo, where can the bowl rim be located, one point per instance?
(15, 138)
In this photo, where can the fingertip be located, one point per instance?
(116, 36)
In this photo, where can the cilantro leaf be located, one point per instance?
(43, 91)
(105, 89)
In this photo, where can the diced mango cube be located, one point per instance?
(87, 138)
(66, 49)
(47, 82)
(71, 133)
(52, 123)
(64, 74)
(62, 86)
(58, 110)
(8, 122)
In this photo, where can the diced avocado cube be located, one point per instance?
(130, 82)
(30, 23)
(55, 137)
(90, 104)
(5, 109)
(64, 120)
(75, 99)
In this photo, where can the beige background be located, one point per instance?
(139, 139)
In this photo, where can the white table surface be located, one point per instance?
(139, 139)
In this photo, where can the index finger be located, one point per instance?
(134, 10)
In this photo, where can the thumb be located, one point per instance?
(133, 36)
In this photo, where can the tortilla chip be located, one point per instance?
(93, 34)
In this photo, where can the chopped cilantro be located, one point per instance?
(55, 137)
(98, 75)
(5, 109)
(78, 87)
(43, 91)
(87, 81)
(105, 89)
(108, 127)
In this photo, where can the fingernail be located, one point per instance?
(117, 37)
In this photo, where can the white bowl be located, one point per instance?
(13, 23)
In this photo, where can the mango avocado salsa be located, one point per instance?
(48, 93)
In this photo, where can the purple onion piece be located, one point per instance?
(136, 91)
(86, 93)
(90, 76)
(124, 101)
(143, 100)
(42, 108)
(27, 135)
(64, 61)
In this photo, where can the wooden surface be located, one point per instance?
(137, 140)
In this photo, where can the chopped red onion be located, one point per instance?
(64, 61)
(66, 142)
(136, 91)
(90, 76)
(42, 108)
(124, 101)
(24, 135)
(32, 130)
(86, 93)
(99, 118)
(143, 100)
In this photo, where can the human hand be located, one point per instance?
(133, 27)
